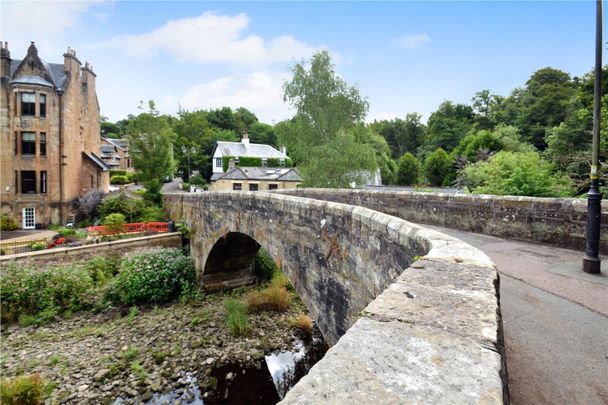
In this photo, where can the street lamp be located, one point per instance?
(187, 152)
(591, 261)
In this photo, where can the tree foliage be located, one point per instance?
(410, 169)
(437, 166)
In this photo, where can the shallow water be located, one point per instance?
(252, 386)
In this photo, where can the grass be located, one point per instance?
(133, 312)
(159, 356)
(139, 371)
(271, 298)
(236, 320)
(22, 390)
(302, 322)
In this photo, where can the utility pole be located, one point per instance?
(591, 261)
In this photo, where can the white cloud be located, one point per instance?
(413, 41)
(258, 91)
(213, 38)
(44, 22)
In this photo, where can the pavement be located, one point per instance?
(23, 236)
(555, 321)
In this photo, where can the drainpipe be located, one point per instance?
(60, 94)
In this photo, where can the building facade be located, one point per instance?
(49, 131)
(269, 173)
(115, 153)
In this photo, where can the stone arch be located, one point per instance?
(231, 262)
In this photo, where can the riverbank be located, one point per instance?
(137, 353)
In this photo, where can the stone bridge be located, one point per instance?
(412, 314)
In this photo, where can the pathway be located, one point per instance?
(555, 320)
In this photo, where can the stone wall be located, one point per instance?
(554, 221)
(404, 331)
(117, 248)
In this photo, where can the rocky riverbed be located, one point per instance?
(138, 355)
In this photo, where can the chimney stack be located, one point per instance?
(230, 164)
(245, 139)
(284, 150)
(6, 60)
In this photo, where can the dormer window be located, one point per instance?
(236, 161)
(282, 162)
(28, 104)
(264, 162)
(42, 105)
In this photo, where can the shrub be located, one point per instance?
(437, 166)
(152, 213)
(66, 231)
(101, 269)
(409, 170)
(271, 298)
(265, 267)
(89, 203)
(198, 180)
(29, 290)
(38, 245)
(154, 276)
(131, 208)
(118, 173)
(185, 186)
(114, 223)
(7, 223)
(302, 322)
(22, 390)
(517, 173)
(236, 319)
(116, 179)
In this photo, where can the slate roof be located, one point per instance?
(95, 159)
(238, 149)
(35, 80)
(259, 173)
(55, 69)
(120, 143)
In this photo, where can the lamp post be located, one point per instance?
(591, 261)
(187, 152)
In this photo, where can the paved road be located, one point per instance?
(555, 320)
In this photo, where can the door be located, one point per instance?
(29, 218)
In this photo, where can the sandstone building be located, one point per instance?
(50, 138)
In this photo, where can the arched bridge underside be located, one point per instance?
(403, 330)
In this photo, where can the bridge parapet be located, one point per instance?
(403, 330)
(553, 221)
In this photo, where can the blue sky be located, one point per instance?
(404, 56)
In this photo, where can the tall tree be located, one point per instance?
(447, 126)
(402, 135)
(325, 136)
(151, 147)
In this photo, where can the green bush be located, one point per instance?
(516, 173)
(437, 166)
(152, 213)
(154, 276)
(185, 186)
(66, 231)
(102, 269)
(409, 170)
(114, 223)
(22, 390)
(265, 267)
(118, 173)
(236, 319)
(197, 180)
(38, 245)
(131, 208)
(7, 223)
(472, 144)
(116, 179)
(30, 290)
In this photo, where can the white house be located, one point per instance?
(242, 149)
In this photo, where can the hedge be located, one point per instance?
(255, 162)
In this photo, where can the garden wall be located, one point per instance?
(116, 248)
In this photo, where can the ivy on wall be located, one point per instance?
(255, 162)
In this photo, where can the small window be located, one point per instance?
(253, 186)
(219, 162)
(28, 143)
(28, 182)
(43, 144)
(236, 161)
(237, 186)
(16, 181)
(42, 105)
(264, 162)
(273, 186)
(43, 182)
(16, 143)
(28, 103)
(282, 162)
(92, 183)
